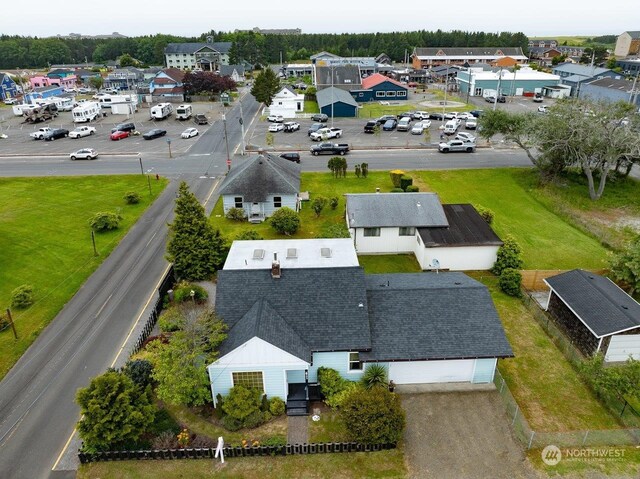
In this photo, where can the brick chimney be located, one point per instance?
(275, 267)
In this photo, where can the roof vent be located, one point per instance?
(325, 252)
(292, 253)
(418, 205)
(360, 305)
(258, 254)
(458, 283)
(275, 267)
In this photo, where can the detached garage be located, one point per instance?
(595, 314)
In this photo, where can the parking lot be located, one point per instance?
(18, 141)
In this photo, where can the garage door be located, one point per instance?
(420, 372)
(622, 346)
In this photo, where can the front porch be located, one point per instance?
(299, 396)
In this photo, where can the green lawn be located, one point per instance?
(545, 385)
(311, 106)
(372, 465)
(328, 429)
(375, 109)
(548, 241)
(389, 263)
(46, 242)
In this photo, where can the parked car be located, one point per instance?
(320, 117)
(404, 124)
(390, 124)
(449, 115)
(456, 145)
(291, 126)
(537, 98)
(275, 127)
(292, 156)
(119, 135)
(190, 133)
(315, 127)
(384, 118)
(200, 119)
(275, 118)
(370, 127)
(465, 137)
(326, 133)
(477, 113)
(419, 127)
(543, 109)
(10, 101)
(128, 127)
(471, 124)
(436, 116)
(329, 148)
(464, 115)
(82, 131)
(502, 99)
(55, 134)
(420, 115)
(84, 154)
(406, 114)
(40, 133)
(84, 90)
(155, 133)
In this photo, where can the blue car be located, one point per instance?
(390, 125)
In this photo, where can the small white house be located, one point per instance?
(442, 237)
(287, 103)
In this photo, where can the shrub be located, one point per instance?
(4, 320)
(395, 177)
(182, 293)
(374, 375)
(625, 266)
(22, 296)
(333, 387)
(266, 416)
(131, 198)
(333, 202)
(165, 440)
(105, 221)
(163, 421)
(275, 441)
(338, 398)
(171, 320)
(486, 213)
(397, 190)
(373, 417)
(277, 406)
(358, 171)
(285, 221)
(243, 405)
(250, 235)
(236, 214)
(364, 167)
(264, 403)
(231, 424)
(412, 189)
(405, 182)
(139, 370)
(218, 410)
(509, 256)
(510, 281)
(318, 204)
(203, 442)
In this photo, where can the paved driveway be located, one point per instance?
(461, 435)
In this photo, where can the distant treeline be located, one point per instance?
(32, 52)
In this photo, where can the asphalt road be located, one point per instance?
(37, 408)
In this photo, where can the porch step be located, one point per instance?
(295, 403)
(297, 411)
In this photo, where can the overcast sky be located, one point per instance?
(193, 17)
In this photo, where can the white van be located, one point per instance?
(161, 111)
(451, 127)
(404, 124)
(183, 112)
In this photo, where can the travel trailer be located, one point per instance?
(161, 111)
(184, 112)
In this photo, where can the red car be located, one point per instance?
(119, 135)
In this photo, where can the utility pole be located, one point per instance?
(633, 94)
(241, 120)
(495, 98)
(13, 326)
(226, 141)
(93, 240)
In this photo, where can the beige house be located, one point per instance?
(628, 44)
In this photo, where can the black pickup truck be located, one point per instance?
(330, 149)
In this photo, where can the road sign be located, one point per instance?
(228, 162)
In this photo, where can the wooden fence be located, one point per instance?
(238, 451)
(533, 279)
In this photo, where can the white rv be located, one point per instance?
(161, 111)
(63, 104)
(87, 111)
(19, 110)
(184, 112)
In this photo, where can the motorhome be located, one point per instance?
(63, 104)
(184, 112)
(19, 110)
(87, 111)
(161, 111)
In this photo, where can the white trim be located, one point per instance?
(599, 345)
(264, 388)
(354, 371)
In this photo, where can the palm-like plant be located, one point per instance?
(374, 375)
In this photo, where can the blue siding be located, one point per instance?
(337, 360)
(273, 377)
(384, 91)
(484, 371)
(8, 88)
(340, 110)
(266, 208)
(295, 376)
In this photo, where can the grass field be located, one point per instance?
(46, 242)
(360, 465)
(376, 110)
(389, 263)
(545, 385)
(311, 106)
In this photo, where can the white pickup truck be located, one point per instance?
(40, 133)
(82, 131)
(326, 133)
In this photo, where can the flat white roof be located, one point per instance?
(293, 253)
(521, 74)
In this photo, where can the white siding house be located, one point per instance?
(287, 103)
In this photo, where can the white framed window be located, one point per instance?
(391, 93)
(372, 231)
(249, 379)
(418, 239)
(402, 93)
(238, 202)
(354, 362)
(380, 94)
(277, 201)
(406, 231)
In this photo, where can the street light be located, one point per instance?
(241, 120)
(226, 140)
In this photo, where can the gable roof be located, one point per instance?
(613, 84)
(395, 209)
(597, 301)
(174, 73)
(466, 228)
(334, 95)
(261, 176)
(582, 70)
(377, 79)
(634, 35)
(324, 54)
(423, 316)
(468, 52)
(190, 48)
(263, 322)
(326, 307)
(344, 76)
(227, 70)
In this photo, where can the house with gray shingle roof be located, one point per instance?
(261, 185)
(449, 237)
(285, 322)
(595, 314)
(189, 56)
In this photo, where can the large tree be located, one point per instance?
(265, 86)
(625, 266)
(179, 365)
(114, 411)
(195, 248)
(207, 83)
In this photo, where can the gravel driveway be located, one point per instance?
(461, 435)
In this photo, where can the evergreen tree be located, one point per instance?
(265, 86)
(195, 248)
